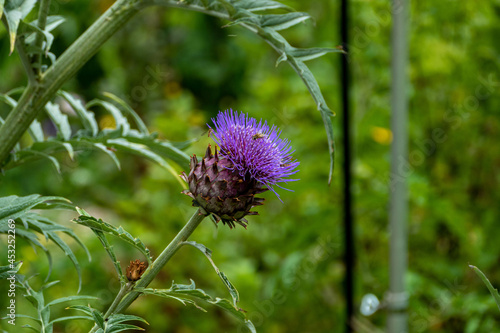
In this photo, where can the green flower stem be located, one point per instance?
(43, 12)
(163, 258)
(36, 96)
(156, 266)
(123, 291)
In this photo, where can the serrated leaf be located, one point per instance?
(107, 246)
(12, 207)
(108, 152)
(140, 124)
(250, 20)
(208, 253)
(163, 149)
(71, 318)
(190, 290)
(53, 21)
(259, 5)
(250, 326)
(121, 121)
(67, 251)
(100, 225)
(30, 327)
(138, 149)
(98, 318)
(8, 271)
(82, 308)
(308, 54)
(59, 119)
(283, 21)
(14, 11)
(180, 291)
(48, 147)
(2, 2)
(120, 318)
(27, 153)
(35, 129)
(226, 305)
(144, 151)
(48, 285)
(86, 117)
(493, 290)
(122, 327)
(19, 315)
(326, 114)
(34, 29)
(69, 299)
(166, 293)
(109, 249)
(69, 149)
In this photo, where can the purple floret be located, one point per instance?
(255, 149)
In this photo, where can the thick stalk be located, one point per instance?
(157, 265)
(35, 98)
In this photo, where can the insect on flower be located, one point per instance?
(258, 136)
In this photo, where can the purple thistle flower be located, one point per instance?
(254, 149)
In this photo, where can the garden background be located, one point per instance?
(178, 69)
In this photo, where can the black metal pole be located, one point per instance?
(349, 255)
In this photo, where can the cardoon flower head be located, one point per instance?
(255, 149)
(252, 160)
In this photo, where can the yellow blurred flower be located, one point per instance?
(107, 121)
(381, 135)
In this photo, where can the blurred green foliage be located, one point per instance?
(177, 69)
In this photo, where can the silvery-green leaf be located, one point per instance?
(33, 153)
(230, 287)
(70, 318)
(140, 124)
(283, 21)
(59, 119)
(493, 290)
(259, 5)
(86, 117)
(100, 225)
(122, 327)
(98, 318)
(120, 120)
(69, 299)
(118, 318)
(1, 7)
(15, 11)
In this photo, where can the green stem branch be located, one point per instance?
(34, 98)
(163, 258)
(155, 267)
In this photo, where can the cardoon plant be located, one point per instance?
(248, 157)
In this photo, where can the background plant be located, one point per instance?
(453, 188)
